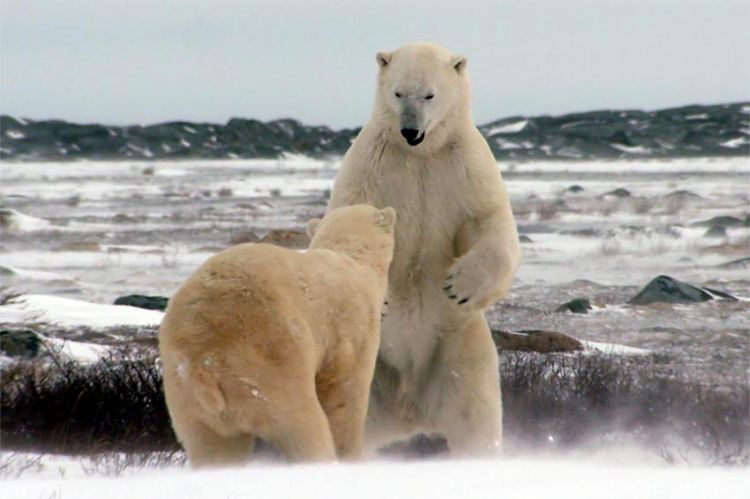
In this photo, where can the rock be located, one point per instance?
(574, 189)
(122, 218)
(143, 301)
(535, 341)
(715, 232)
(22, 343)
(722, 221)
(586, 232)
(534, 228)
(244, 237)
(79, 246)
(737, 248)
(287, 238)
(665, 289)
(682, 194)
(618, 193)
(740, 263)
(523, 238)
(576, 306)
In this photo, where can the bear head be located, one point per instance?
(361, 231)
(423, 94)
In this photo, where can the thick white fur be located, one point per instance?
(437, 369)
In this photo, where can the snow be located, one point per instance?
(631, 149)
(72, 313)
(17, 221)
(614, 349)
(736, 142)
(514, 127)
(84, 353)
(14, 134)
(8, 271)
(682, 166)
(379, 480)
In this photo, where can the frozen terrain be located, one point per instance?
(77, 233)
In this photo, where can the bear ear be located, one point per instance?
(386, 218)
(383, 58)
(312, 226)
(458, 63)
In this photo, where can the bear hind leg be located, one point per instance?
(207, 448)
(302, 432)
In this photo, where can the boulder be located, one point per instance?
(665, 289)
(535, 341)
(143, 301)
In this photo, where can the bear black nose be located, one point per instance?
(412, 136)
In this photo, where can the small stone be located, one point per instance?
(715, 232)
(576, 306)
(143, 301)
(287, 238)
(618, 193)
(244, 237)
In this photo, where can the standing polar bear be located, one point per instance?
(270, 342)
(456, 252)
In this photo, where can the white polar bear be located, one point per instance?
(456, 252)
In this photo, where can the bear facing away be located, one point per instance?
(270, 342)
(456, 252)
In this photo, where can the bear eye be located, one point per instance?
(429, 96)
(398, 95)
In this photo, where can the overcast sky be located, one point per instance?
(145, 62)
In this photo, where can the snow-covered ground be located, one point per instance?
(531, 479)
(77, 235)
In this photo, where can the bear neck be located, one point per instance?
(374, 259)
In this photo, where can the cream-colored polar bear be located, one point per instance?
(269, 342)
(456, 252)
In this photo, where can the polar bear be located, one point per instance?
(269, 342)
(456, 252)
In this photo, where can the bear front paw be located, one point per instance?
(465, 284)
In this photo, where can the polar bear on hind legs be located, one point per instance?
(456, 252)
(270, 342)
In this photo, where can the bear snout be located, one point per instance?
(412, 136)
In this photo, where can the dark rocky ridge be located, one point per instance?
(714, 130)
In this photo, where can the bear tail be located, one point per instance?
(204, 384)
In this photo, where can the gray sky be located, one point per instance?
(144, 62)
